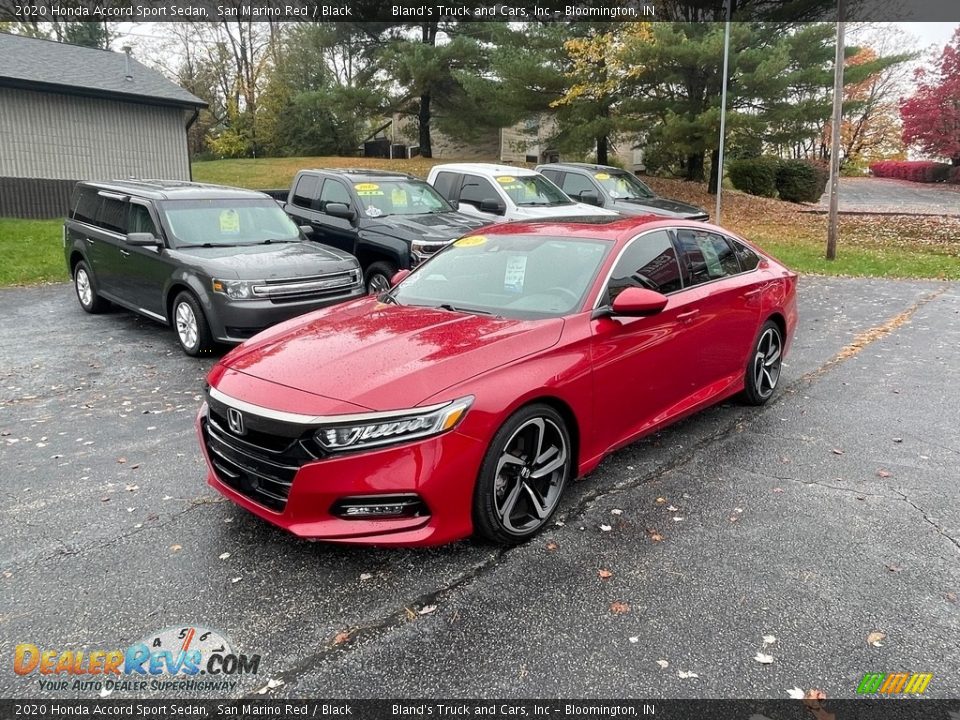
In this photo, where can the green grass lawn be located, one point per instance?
(32, 251)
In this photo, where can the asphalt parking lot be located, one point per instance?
(831, 514)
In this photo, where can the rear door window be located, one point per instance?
(113, 215)
(306, 192)
(706, 256)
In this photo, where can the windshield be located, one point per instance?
(528, 190)
(514, 276)
(399, 197)
(623, 186)
(227, 222)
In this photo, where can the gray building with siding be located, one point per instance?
(70, 113)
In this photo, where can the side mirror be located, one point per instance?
(590, 197)
(143, 239)
(492, 205)
(638, 302)
(307, 230)
(398, 277)
(340, 210)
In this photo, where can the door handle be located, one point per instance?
(125, 253)
(688, 316)
(89, 241)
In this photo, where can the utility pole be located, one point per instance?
(723, 109)
(832, 230)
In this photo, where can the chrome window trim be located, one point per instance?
(300, 419)
(98, 228)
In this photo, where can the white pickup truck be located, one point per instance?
(503, 192)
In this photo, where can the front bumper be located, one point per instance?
(440, 470)
(233, 321)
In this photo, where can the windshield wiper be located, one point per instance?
(471, 311)
(271, 241)
(208, 245)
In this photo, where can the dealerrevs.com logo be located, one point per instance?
(177, 658)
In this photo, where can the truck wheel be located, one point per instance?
(379, 275)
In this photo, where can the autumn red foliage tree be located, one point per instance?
(931, 116)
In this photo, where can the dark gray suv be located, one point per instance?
(219, 264)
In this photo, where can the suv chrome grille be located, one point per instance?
(288, 290)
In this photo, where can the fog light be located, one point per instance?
(379, 506)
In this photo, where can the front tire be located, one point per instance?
(85, 287)
(522, 477)
(764, 365)
(190, 325)
(379, 277)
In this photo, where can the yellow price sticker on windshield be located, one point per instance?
(506, 179)
(602, 176)
(229, 222)
(471, 241)
(366, 187)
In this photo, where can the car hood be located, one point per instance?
(435, 227)
(266, 262)
(384, 356)
(554, 211)
(658, 206)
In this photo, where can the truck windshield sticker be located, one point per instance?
(471, 241)
(506, 179)
(229, 222)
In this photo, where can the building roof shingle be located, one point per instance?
(58, 67)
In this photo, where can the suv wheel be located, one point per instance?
(86, 289)
(379, 275)
(190, 325)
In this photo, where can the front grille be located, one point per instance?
(259, 465)
(320, 286)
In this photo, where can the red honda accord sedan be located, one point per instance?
(467, 397)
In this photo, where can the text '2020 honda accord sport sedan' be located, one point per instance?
(467, 397)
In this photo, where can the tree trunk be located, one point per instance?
(426, 150)
(694, 166)
(602, 150)
(714, 171)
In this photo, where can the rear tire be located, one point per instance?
(522, 476)
(379, 275)
(86, 288)
(764, 365)
(190, 325)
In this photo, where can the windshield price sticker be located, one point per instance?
(506, 179)
(470, 241)
(229, 222)
(602, 176)
(368, 189)
(514, 275)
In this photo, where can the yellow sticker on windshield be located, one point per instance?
(471, 241)
(366, 187)
(506, 179)
(229, 222)
(602, 176)
(398, 196)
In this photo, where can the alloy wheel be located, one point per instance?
(378, 284)
(186, 323)
(84, 290)
(530, 475)
(766, 363)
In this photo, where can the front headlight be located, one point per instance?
(235, 289)
(396, 429)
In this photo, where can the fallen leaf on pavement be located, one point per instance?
(427, 609)
(604, 574)
(875, 638)
(769, 639)
(673, 508)
(341, 637)
(661, 500)
(224, 556)
(795, 693)
(655, 536)
(663, 663)
(684, 674)
(176, 548)
(365, 576)
(837, 451)
(553, 545)
(951, 597)
(616, 511)
(236, 579)
(634, 638)
(778, 489)
(121, 460)
(894, 568)
(898, 440)
(619, 608)
(884, 473)
(605, 528)
(814, 694)
(763, 658)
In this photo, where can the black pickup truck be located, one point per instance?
(388, 220)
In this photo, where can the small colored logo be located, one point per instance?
(900, 683)
(175, 652)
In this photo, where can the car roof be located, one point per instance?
(172, 189)
(485, 169)
(582, 166)
(362, 174)
(598, 227)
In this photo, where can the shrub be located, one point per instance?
(924, 171)
(801, 180)
(756, 176)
